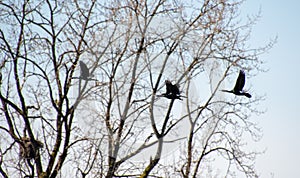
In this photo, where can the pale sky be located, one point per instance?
(281, 84)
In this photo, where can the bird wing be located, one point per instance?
(84, 70)
(240, 82)
(168, 87)
(175, 89)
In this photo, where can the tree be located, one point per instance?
(105, 126)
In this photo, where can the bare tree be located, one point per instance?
(111, 122)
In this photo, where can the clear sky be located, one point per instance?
(281, 123)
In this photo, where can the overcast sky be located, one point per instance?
(281, 123)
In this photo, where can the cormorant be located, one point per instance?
(239, 85)
(27, 149)
(172, 91)
(84, 71)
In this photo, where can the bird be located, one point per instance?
(84, 71)
(27, 149)
(239, 85)
(172, 91)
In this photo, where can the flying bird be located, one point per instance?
(84, 71)
(172, 91)
(239, 85)
(170, 88)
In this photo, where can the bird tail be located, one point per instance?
(92, 79)
(226, 91)
(75, 77)
(247, 95)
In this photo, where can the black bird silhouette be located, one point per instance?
(172, 91)
(84, 71)
(239, 85)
